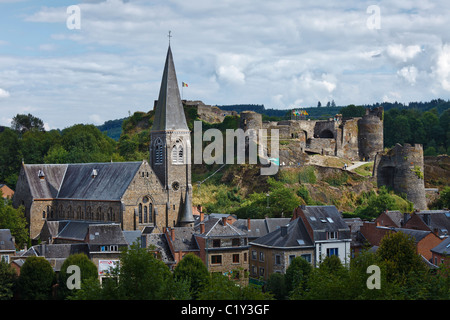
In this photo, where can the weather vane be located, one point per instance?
(169, 36)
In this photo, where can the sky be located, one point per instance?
(89, 61)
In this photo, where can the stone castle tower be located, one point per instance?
(401, 169)
(370, 134)
(170, 148)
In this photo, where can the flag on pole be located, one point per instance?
(184, 84)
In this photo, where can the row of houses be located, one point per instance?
(243, 249)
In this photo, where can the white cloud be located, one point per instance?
(4, 93)
(442, 68)
(409, 73)
(403, 53)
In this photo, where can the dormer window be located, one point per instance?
(332, 235)
(94, 173)
(41, 175)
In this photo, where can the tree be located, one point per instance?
(14, 220)
(297, 274)
(26, 122)
(398, 251)
(10, 157)
(36, 279)
(8, 278)
(276, 285)
(88, 271)
(192, 269)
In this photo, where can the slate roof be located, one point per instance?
(324, 219)
(417, 235)
(106, 234)
(48, 187)
(169, 112)
(75, 181)
(111, 182)
(159, 240)
(6, 240)
(443, 247)
(184, 239)
(294, 235)
(437, 219)
(260, 227)
(214, 228)
(70, 229)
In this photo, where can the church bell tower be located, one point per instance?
(170, 149)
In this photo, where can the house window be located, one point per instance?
(158, 151)
(291, 257)
(216, 243)
(216, 259)
(261, 256)
(332, 235)
(332, 252)
(261, 272)
(307, 257)
(254, 254)
(245, 256)
(236, 258)
(277, 259)
(235, 242)
(254, 270)
(5, 258)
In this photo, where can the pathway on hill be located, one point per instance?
(356, 165)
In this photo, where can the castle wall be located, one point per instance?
(401, 169)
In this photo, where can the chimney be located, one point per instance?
(202, 228)
(172, 234)
(202, 216)
(224, 221)
(248, 224)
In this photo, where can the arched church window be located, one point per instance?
(110, 216)
(99, 213)
(150, 212)
(140, 212)
(158, 151)
(145, 214)
(79, 216)
(177, 154)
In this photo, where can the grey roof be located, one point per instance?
(215, 227)
(324, 219)
(70, 229)
(48, 187)
(396, 217)
(6, 240)
(169, 112)
(260, 227)
(110, 183)
(443, 247)
(186, 213)
(417, 235)
(184, 239)
(437, 220)
(105, 234)
(59, 250)
(132, 236)
(159, 241)
(294, 235)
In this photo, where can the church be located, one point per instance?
(154, 193)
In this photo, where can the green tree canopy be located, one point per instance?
(36, 279)
(192, 269)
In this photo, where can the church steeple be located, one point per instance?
(169, 112)
(170, 148)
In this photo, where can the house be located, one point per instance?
(436, 221)
(358, 242)
(7, 245)
(6, 191)
(423, 239)
(223, 248)
(441, 253)
(275, 251)
(155, 192)
(328, 231)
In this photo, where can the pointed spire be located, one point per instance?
(187, 216)
(169, 112)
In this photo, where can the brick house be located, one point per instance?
(441, 253)
(436, 221)
(275, 251)
(423, 239)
